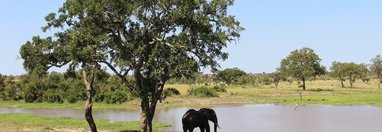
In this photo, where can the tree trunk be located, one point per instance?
(148, 107)
(146, 116)
(303, 83)
(342, 83)
(351, 81)
(379, 82)
(89, 102)
(277, 84)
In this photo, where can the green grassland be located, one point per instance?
(324, 92)
(26, 122)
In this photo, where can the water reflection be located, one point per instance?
(250, 118)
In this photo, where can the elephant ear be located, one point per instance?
(210, 113)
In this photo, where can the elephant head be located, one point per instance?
(211, 115)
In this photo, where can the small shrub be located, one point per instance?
(169, 92)
(112, 97)
(99, 97)
(71, 99)
(203, 92)
(320, 90)
(53, 96)
(220, 88)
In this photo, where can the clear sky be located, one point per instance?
(338, 30)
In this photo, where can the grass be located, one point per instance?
(327, 92)
(78, 105)
(26, 122)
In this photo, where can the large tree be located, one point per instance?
(75, 48)
(376, 68)
(302, 64)
(337, 71)
(229, 75)
(352, 71)
(152, 41)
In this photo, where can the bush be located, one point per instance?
(169, 92)
(75, 92)
(220, 88)
(112, 97)
(53, 96)
(71, 99)
(31, 93)
(203, 92)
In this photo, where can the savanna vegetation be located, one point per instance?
(68, 88)
(346, 83)
(134, 54)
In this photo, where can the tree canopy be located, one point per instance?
(350, 71)
(229, 75)
(302, 64)
(151, 40)
(338, 72)
(376, 68)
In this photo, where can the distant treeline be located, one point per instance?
(60, 87)
(69, 87)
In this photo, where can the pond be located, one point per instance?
(251, 118)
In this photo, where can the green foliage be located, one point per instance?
(10, 89)
(350, 71)
(203, 92)
(376, 68)
(58, 88)
(169, 92)
(152, 40)
(302, 64)
(44, 123)
(229, 75)
(32, 93)
(248, 79)
(277, 77)
(264, 78)
(53, 96)
(76, 91)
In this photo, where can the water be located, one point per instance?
(251, 118)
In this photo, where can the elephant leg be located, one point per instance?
(191, 129)
(207, 127)
(201, 129)
(184, 129)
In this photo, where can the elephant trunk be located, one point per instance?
(216, 125)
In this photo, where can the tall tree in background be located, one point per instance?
(277, 76)
(353, 71)
(302, 64)
(338, 72)
(376, 68)
(151, 40)
(229, 75)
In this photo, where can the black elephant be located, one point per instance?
(193, 118)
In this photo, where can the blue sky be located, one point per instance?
(338, 30)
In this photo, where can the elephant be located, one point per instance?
(200, 118)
